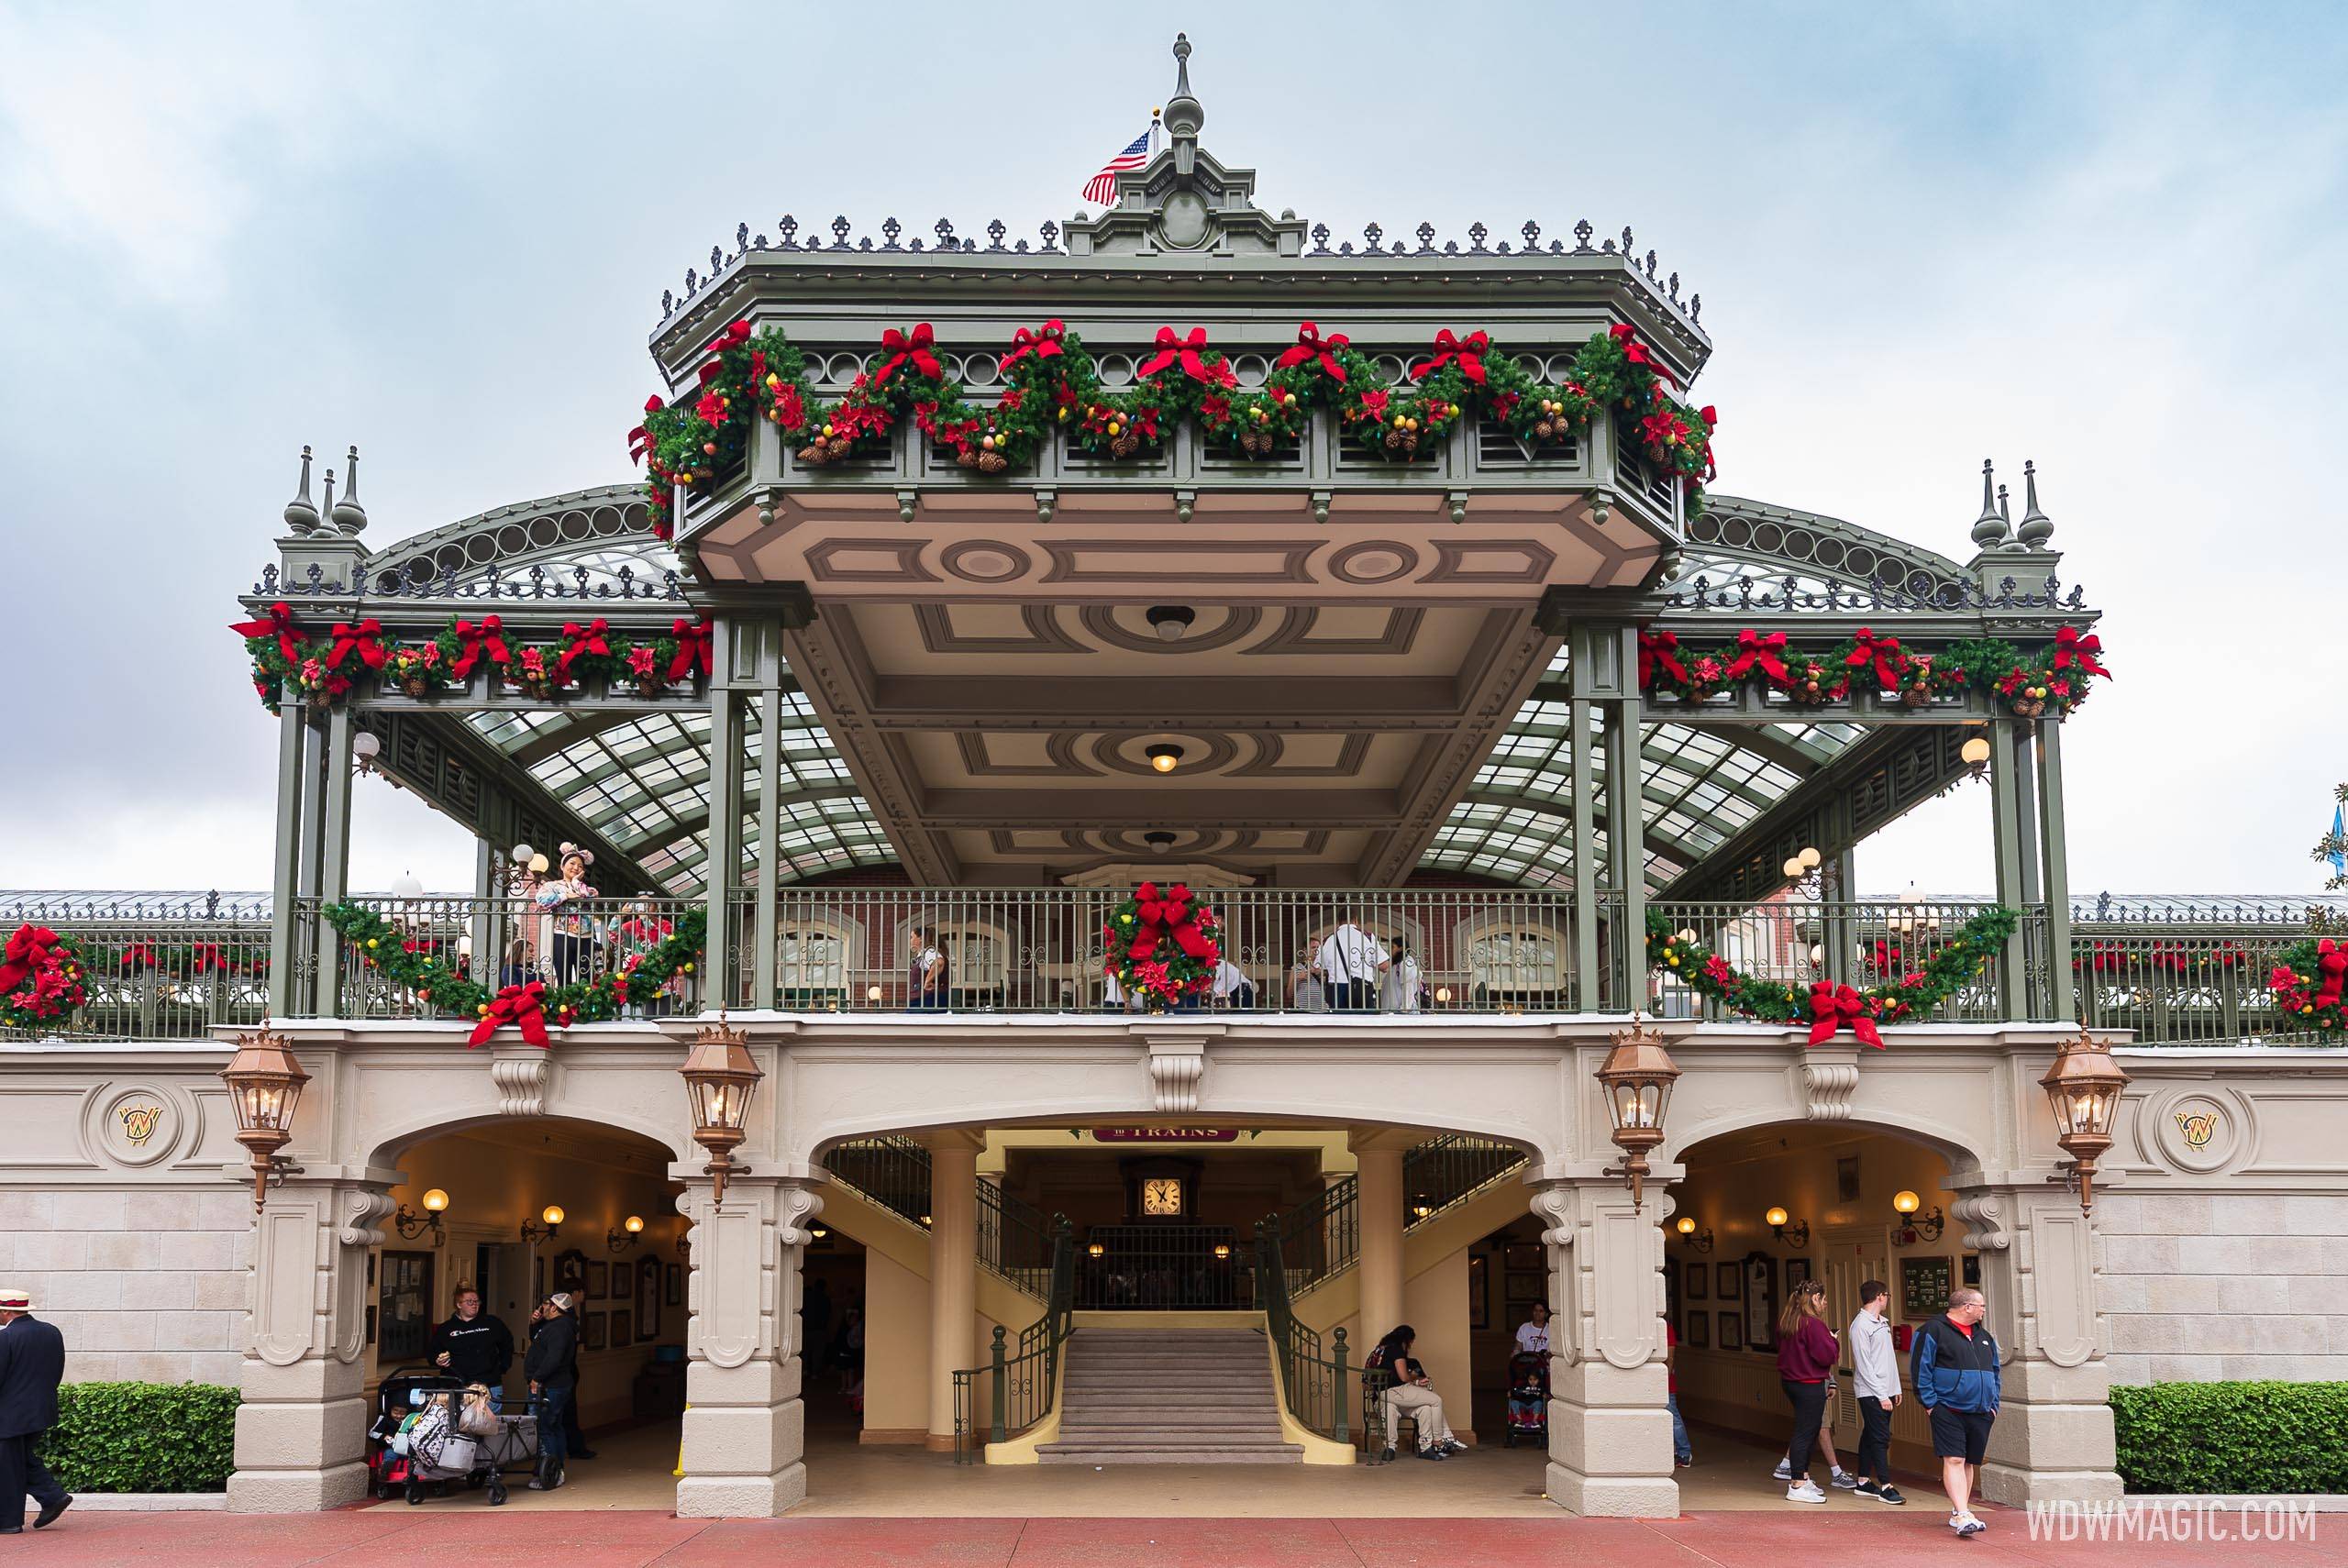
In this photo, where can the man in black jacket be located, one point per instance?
(474, 1346)
(32, 1363)
(550, 1365)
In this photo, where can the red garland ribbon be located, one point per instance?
(692, 648)
(1834, 1008)
(2071, 648)
(278, 623)
(1468, 351)
(584, 640)
(33, 947)
(364, 639)
(1311, 346)
(1881, 652)
(639, 441)
(1753, 648)
(2331, 963)
(488, 638)
(914, 347)
(733, 337)
(1042, 343)
(1659, 650)
(524, 1007)
(1171, 348)
(1637, 354)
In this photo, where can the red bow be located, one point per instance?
(362, 639)
(1311, 345)
(1044, 343)
(1636, 353)
(692, 648)
(1883, 653)
(2331, 963)
(638, 441)
(31, 949)
(1468, 351)
(1835, 1007)
(2071, 648)
(739, 333)
(1753, 648)
(1171, 348)
(524, 1007)
(488, 636)
(914, 348)
(1659, 650)
(278, 623)
(584, 640)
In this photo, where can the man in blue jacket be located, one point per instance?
(1954, 1366)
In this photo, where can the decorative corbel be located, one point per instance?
(1983, 1215)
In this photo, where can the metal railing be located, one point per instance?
(2185, 985)
(1321, 1236)
(1448, 1170)
(892, 1171)
(1016, 1239)
(1313, 1380)
(1021, 1382)
(1860, 944)
(168, 978)
(1163, 1267)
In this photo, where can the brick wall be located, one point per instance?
(145, 1283)
(2203, 1287)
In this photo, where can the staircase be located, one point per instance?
(1168, 1397)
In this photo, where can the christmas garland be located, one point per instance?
(1049, 378)
(1825, 1006)
(326, 671)
(423, 966)
(40, 978)
(2309, 979)
(1162, 944)
(2057, 678)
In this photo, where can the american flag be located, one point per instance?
(1103, 187)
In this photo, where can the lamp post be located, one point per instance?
(720, 1077)
(265, 1088)
(2083, 1086)
(1637, 1075)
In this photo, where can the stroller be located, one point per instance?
(430, 1434)
(1528, 1400)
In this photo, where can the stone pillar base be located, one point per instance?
(742, 1497)
(1613, 1496)
(296, 1491)
(2012, 1487)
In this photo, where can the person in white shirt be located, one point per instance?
(1875, 1383)
(1533, 1334)
(1398, 979)
(1231, 986)
(1347, 964)
(1306, 993)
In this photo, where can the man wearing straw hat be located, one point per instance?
(32, 1363)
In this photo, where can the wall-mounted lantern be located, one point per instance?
(412, 1224)
(1913, 1228)
(1637, 1077)
(1780, 1223)
(551, 1218)
(631, 1231)
(1685, 1226)
(2083, 1086)
(720, 1079)
(265, 1088)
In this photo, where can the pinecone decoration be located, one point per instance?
(1543, 429)
(1916, 696)
(2028, 707)
(1394, 434)
(993, 462)
(822, 450)
(647, 686)
(1702, 693)
(967, 455)
(1124, 445)
(412, 685)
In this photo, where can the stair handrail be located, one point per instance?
(1024, 1383)
(1016, 1239)
(1312, 1384)
(900, 1165)
(1451, 1169)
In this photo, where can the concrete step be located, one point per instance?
(1282, 1454)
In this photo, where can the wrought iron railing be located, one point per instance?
(1321, 1236)
(1015, 1239)
(892, 1172)
(1314, 1379)
(1862, 944)
(169, 975)
(1017, 1386)
(1162, 1267)
(1446, 1170)
(2185, 985)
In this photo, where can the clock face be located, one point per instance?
(1161, 1194)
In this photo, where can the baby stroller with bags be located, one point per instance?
(449, 1434)
(1528, 1400)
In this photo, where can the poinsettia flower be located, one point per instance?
(640, 660)
(1374, 403)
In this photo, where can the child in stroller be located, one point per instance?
(431, 1431)
(1528, 1399)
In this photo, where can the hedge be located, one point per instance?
(142, 1437)
(2199, 1438)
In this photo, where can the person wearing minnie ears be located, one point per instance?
(32, 1363)
(1953, 1365)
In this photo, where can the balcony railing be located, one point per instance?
(1858, 944)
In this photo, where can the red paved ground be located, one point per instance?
(399, 1538)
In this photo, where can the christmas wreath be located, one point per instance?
(2308, 980)
(1825, 1006)
(1162, 944)
(2057, 678)
(326, 671)
(40, 978)
(428, 968)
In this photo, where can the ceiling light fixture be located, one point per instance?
(1165, 758)
(1159, 841)
(1171, 620)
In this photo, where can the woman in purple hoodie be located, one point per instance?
(1807, 1351)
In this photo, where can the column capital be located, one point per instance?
(954, 1140)
(1363, 1141)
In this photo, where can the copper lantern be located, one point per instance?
(1637, 1077)
(720, 1077)
(2084, 1087)
(265, 1089)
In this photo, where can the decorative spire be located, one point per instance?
(1182, 115)
(2036, 527)
(349, 515)
(1989, 528)
(301, 512)
(1181, 65)
(328, 506)
(2005, 512)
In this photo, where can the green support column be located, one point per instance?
(2005, 809)
(1838, 933)
(334, 857)
(286, 863)
(762, 964)
(2026, 816)
(1588, 993)
(722, 869)
(1626, 840)
(2063, 1003)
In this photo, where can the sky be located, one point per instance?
(2107, 238)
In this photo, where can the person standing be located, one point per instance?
(1533, 1334)
(1806, 1356)
(1347, 964)
(1398, 978)
(1875, 1383)
(925, 978)
(474, 1347)
(1683, 1452)
(565, 900)
(551, 1365)
(32, 1363)
(1232, 988)
(1953, 1365)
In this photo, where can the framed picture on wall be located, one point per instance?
(1846, 1179)
(1731, 1331)
(404, 1327)
(1699, 1281)
(1525, 1255)
(1761, 1298)
(1524, 1289)
(599, 1281)
(370, 1319)
(648, 1299)
(1730, 1277)
(1796, 1271)
(676, 1283)
(1924, 1284)
(571, 1274)
(622, 1328)
(1699, 1331)
(1479, 1291)
(1972, 1273)
(592, 1328)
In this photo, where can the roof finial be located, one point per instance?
(301, 512)
(2005, 511)
(349, 515)
(2036, 527)
(1989, 528)
(1181, 65)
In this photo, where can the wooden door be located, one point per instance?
(1851, 1258)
